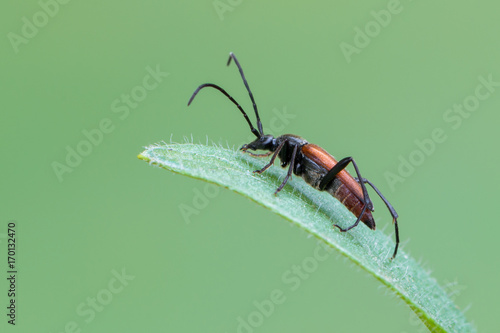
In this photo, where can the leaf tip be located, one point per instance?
(142, 157)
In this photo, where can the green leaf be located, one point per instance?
(316, 212)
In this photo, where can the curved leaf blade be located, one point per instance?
(316, 212)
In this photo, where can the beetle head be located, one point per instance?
(264, 142)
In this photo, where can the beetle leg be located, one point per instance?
(330, 176)
(259, 155)
(391, 210)
(355, 223)
(341, 165)
(268, 165)
(387, 203)
(290, 170)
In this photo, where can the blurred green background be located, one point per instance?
(66, 71)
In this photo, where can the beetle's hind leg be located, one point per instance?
(330, 176)
(389, 206)
(342, 164)
(387, 203)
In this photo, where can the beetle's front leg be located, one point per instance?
(269, 153)
(271, 162)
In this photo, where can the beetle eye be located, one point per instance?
(267, 139)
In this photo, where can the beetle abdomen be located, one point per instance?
(342, 193)
(343, 187)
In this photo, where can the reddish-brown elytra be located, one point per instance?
(317, 167)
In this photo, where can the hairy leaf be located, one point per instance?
(316, 212)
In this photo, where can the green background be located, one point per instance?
(113, 212)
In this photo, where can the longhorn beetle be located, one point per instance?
(318, 168)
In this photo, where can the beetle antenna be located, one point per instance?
(254, 131)
(259, 123)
